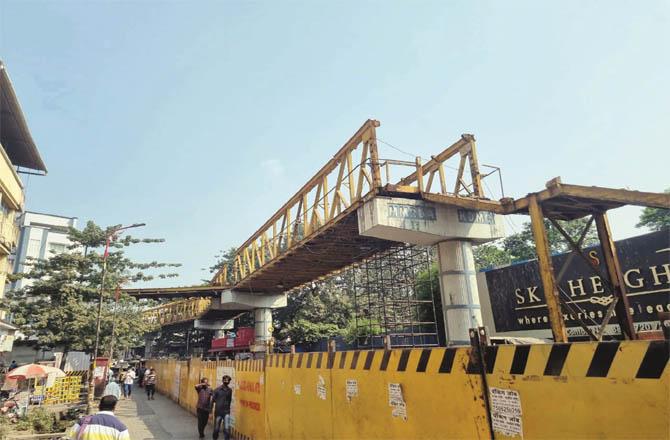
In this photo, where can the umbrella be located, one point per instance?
(32, 371)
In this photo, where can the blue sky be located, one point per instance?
(202, 118)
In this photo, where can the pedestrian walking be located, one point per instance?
(204, 405)
(113, 389)
(128, 380)
(221, 398)
(150, 383)
(140, 375)
(102, 426)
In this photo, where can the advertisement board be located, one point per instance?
(516, 303)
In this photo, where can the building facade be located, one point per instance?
(18, 153)
(40, 237)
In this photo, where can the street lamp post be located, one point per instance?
(91, 370)
(116, 306)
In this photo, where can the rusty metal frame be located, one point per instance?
(466, 147)
(566, 202)
(546, 267)
(317, 206)
(174, 292)
(177, 311)
(620, 304)
(576, 249)
(314, 207)
(584, 200)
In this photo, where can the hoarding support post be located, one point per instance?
(546, 270)
(479, 339)
(616, 278)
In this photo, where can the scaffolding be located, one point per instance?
(394, 299)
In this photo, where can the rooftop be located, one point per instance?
(14, 133)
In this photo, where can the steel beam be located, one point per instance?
(546, 270)
(555, 188)
(616, 278)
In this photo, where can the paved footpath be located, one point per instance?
(160, 419)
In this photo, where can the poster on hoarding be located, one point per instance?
(506, 413)
(517, 301)
(177, 381)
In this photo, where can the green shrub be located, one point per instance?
(41, 420)
(23, 424)
(4, 427)
(362, 328)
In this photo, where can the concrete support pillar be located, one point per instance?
(148, 343)
(458, 288)
(263, 325)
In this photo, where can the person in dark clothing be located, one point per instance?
(222, 398)
(140, 375)
(13, 365)
(204, 405)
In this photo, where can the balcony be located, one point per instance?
(9, 233)
(10, 183)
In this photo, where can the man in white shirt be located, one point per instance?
(112, 389)
(128, 380)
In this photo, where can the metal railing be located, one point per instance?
(357, 173)
(313, 207)
(178, 311)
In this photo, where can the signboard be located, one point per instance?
(77, 361)
(518, 303)
(472, 216)
(242, 339)
(221, 324)
(506, 416)
(412, 212)
(6, 342)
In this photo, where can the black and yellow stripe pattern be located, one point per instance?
(641, 360)
(237, 435)
(404, 360)
(239, 365)
(648, 359)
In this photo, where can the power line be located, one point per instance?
(509, 222)
(396, 148)
(412, 155)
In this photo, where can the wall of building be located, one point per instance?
(11, 203)
(17, 150)
(41, 236)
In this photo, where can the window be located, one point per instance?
(57, 248)
(34, 246)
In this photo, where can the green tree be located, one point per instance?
(521, 246)
(490, 255)
(655, 218)
(317, 311)
(223, 258)
(361, 328)
(60, 307)
(428, 288)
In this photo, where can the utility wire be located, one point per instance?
(397, 149)
(412, 155)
